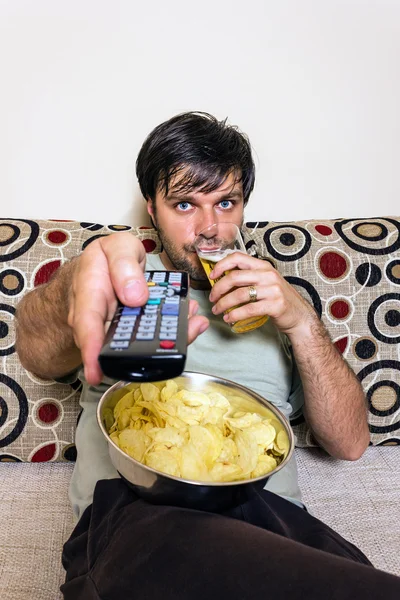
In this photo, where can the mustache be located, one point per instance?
(189, 248)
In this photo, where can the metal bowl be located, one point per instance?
(159, 488)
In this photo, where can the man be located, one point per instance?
(194, 171)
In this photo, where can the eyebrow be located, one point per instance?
(234, 194)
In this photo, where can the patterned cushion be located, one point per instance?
(346, 268)
(349, 270)
(38, 418)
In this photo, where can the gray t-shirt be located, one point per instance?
(260, 360)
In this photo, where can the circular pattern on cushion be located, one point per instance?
(339, 308)
(384, 398)
(382, 310)
(370, 231)
(393, 271)
(119, 227)
(368, 236)
(365, 348)
(47, 413)
(392, 318)
(3, 411)
(9, 234)
(149, 245)
(91, 226)
(43, 453)
(44, 271)
(56, 238)
(368, 274)
(287, 239)
(15, 409)
(323, 230)
(342, 343)
(287, 242)
(256, 224)
(9, 458)
(12, 282)
(332, 265)
(7, 330)
(251, 248)
(69, 453)
(382, 395)
(310, 289)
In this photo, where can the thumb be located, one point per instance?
(197, 325)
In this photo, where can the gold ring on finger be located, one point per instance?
(252, 293)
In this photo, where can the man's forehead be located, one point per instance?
(231, 186)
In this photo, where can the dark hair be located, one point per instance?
(196, 143)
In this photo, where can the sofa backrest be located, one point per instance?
(348, 269)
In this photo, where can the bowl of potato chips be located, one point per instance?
(196, 441)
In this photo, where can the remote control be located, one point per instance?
(149, 343)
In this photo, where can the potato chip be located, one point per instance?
(170, 436)
(164, 459)
(168, 390)
(219, 401)
(281, 444)
(207, 443)
(133, 442)
(191, 464)
(240, 420)
(247, 451)
(126, 401)
(150, 392)
(115, 437)
(225, 471)
(229, 451)
(205, 435)
(108, 417)
(264, 434)
(137, 394)
(265, 464)
(214, 416)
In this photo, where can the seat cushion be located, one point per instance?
(360, 499)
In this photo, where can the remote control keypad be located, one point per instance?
(161, 308)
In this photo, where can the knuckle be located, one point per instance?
(274, 277)
(276, 290)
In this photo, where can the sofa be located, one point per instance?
(348, 269)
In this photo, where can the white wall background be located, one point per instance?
(314, 83)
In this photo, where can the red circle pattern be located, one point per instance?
(332, 265)
(57, 237)
(341, 344)
(45, 453)
(323, 229)
(46, 271)
(339, 309)
(48, 413)
(149, 245)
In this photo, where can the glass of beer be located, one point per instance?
(212, 245)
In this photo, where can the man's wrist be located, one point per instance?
(307, 331)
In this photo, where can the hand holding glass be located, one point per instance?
(212, 245)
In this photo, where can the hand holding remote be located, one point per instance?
(109, 269)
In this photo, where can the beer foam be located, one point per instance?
(216, 255)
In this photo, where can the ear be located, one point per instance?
(150, 208)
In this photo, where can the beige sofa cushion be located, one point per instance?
(358, 499)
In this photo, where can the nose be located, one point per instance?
(207, 218)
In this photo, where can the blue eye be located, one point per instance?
(183, 206)
(225, 204)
